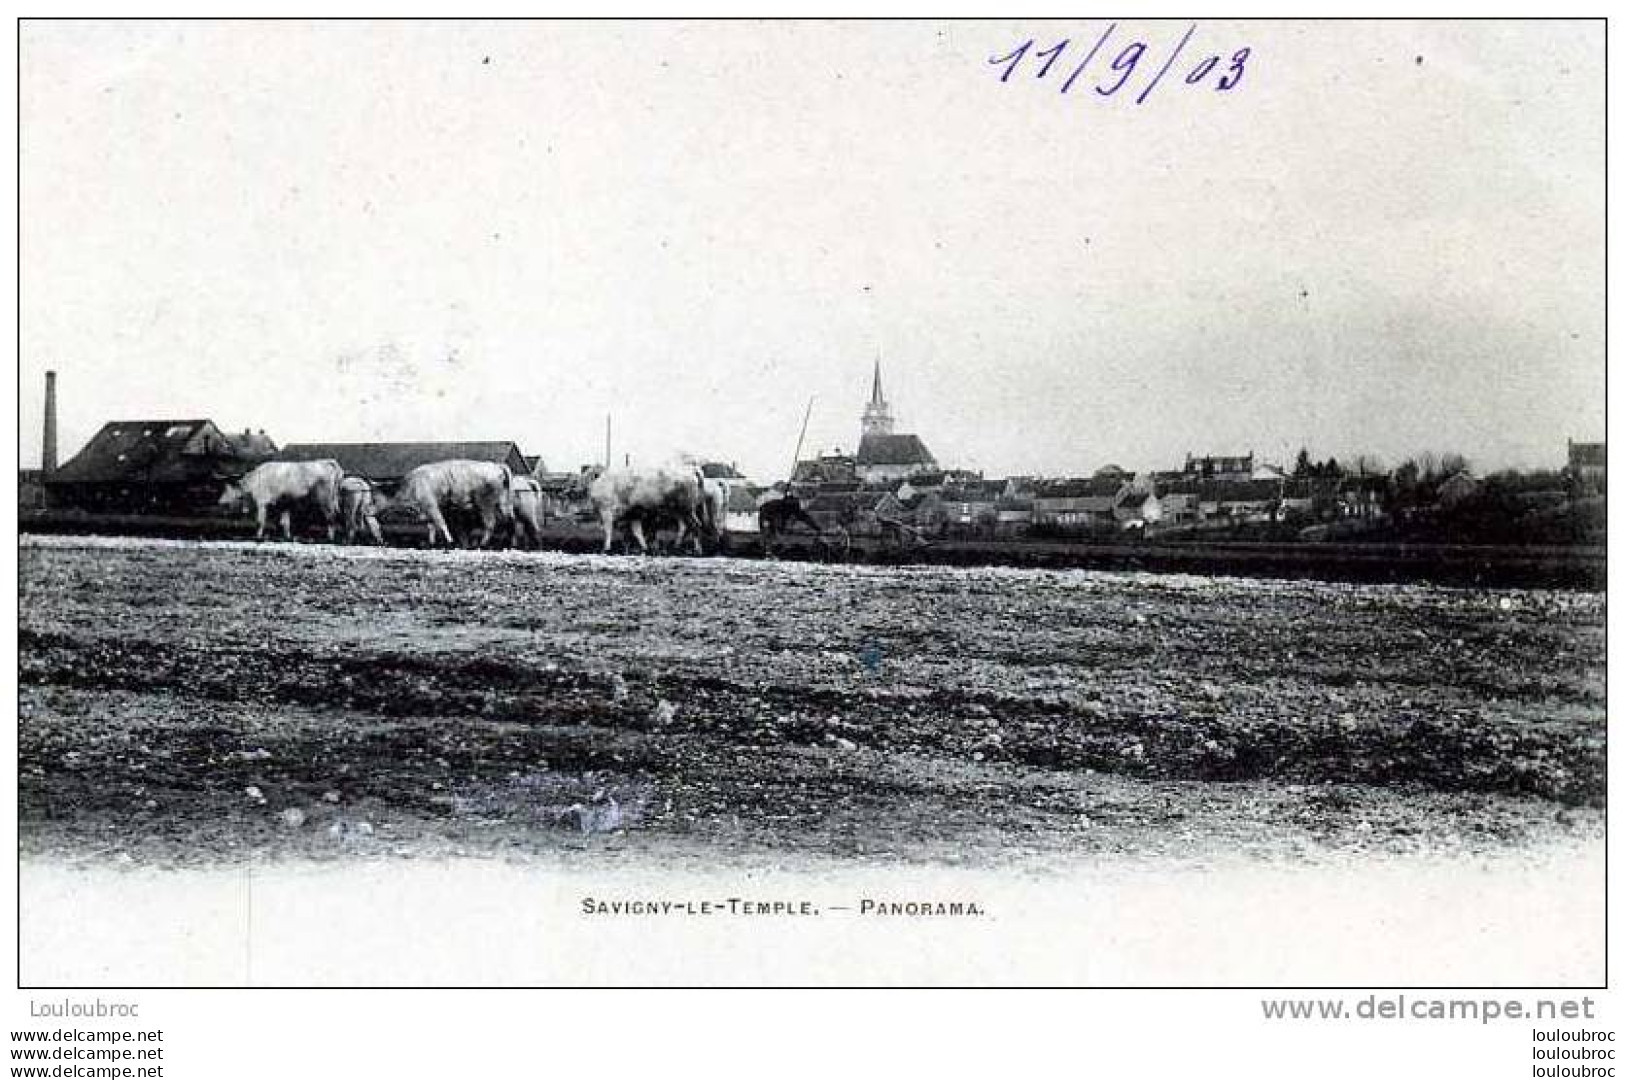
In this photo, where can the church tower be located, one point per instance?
(877, 414)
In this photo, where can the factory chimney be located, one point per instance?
(48, 450)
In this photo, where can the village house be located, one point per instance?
(1180, 500)
(857, 512)
(1136, 509)
(1014, 516)
(1457, 488)
(1323, 497)
(1240, 500)
(727, 476)
(826, 469)
(1224, 469)
(1078, 504)
(916, 486)
(1263, 471)
(1300, 495)
(1588, 465)
(1364, 495)
(740, 511)
(31, 493)
(925, 510)
(971, 504)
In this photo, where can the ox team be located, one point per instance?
(633, 503)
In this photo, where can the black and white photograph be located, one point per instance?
(1092, 502)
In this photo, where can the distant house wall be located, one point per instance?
(1180, 507)
(890, 473)
(1079, 504)
(31, 491)
(1457, 489)
(1138, 508)
(1212, 467)
(1014, 518)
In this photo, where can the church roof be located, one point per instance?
(893, 450)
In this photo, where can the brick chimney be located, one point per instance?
(48, 450)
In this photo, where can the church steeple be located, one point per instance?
(877, 415)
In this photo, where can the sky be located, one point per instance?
(1384, 238)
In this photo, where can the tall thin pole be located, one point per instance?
(802, 438)
(609, 458)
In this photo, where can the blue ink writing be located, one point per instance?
(1152, 85)
(1238, 63)
(1126, 64)
(1054, 54)
(1079, 71)
(1013, 59)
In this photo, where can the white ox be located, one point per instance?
(529, 509)
(279, 486)
(655, 498)
(480, 487)
(358, 509)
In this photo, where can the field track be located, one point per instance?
(1565, 566)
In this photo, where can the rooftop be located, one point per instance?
(387, 462)
(148, 451)
(876, 449)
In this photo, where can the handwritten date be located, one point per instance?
(1223, 73)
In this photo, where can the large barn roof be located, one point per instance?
(894, 450)
(152, 452)
(387, 462)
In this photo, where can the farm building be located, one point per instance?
(916, 485)
(1588, 465)
(972, 504)
(1234, 469)
(1459, 487)
(740, 513)
(31, 489)
(1240, 500)
(1180, 500)
(826, 469)
(725, 471)
(1078, 504)
(385, 463)
(155, 466)
(858, 512)
(1137, 509)
(1015, 516)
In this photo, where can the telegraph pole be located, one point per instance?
(802, 438)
